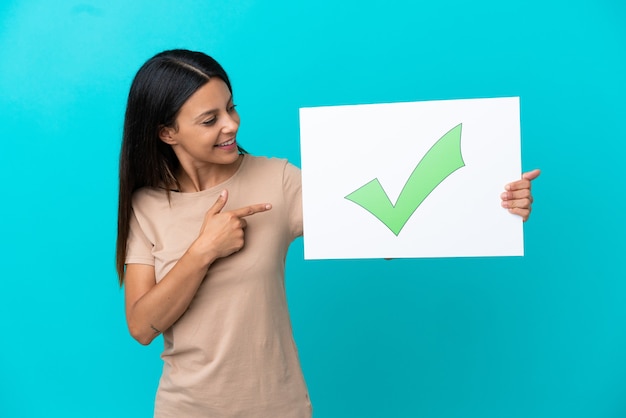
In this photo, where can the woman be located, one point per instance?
(187, 194)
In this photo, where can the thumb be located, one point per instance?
(531, 175)
(220, 202)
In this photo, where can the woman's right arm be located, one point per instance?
(153, 307)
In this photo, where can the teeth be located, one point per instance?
(227, 143)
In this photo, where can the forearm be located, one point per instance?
(165, 302)
(152, 308)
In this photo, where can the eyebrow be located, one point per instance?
(209, 112)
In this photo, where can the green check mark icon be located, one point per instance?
(443, 159)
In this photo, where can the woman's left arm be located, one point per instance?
(517, 197)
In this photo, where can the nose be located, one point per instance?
(231, 122)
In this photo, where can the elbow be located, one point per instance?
(140, 335)
(143, 340)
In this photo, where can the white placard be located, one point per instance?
(352, 156)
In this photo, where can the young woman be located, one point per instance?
(203, 231)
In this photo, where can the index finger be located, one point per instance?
(531, 175)
(251, 210)
(524, 183)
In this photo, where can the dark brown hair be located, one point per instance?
(160, 88)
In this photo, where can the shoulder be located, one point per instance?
(270, 166)
(267, 162)
(149, 197)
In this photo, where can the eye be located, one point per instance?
(209, 122)
(231, 108)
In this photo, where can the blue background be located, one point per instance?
(538, 336)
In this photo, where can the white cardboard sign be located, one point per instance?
(403, 180)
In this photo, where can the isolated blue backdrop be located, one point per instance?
(538, 336)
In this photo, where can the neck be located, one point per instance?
(196, 179)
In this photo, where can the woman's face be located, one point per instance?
(206, 127)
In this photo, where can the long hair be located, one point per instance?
(160, 88)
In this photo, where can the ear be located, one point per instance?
(166, 133)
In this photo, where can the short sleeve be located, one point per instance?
(292, 189)
(139, 247)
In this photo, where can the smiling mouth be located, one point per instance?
(227, 143)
